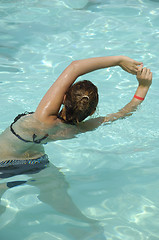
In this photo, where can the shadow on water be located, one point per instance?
(53, 191)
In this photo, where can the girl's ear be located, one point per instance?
(64, 99)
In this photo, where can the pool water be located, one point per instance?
(103, 184)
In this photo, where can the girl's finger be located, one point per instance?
(144, 71)
(139, 69)
(136, 68)
(138, 63)
(150, 76)
(148, 72)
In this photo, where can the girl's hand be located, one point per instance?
(144, 76)
(129, 65)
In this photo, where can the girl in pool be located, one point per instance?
(22, 142)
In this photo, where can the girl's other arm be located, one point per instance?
(144, 77)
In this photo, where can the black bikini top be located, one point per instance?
(38, 141)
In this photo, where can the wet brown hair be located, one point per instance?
(81, 101)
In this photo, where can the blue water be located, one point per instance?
(110, 175)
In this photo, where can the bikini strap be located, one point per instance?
(21, 115)
(38, 141)
(18, 136)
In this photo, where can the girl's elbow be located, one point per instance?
(74, 67)
(74, 64)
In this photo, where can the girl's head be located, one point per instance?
(81, 101)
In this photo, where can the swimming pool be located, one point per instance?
(109, 175)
